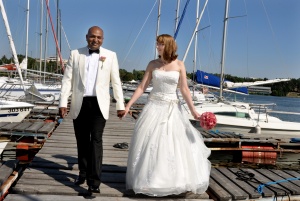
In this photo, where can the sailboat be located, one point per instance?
(12, 88)
(242, 117)
(13, 111)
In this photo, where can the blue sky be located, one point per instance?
(264, 42)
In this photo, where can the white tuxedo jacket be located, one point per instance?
(74, 81)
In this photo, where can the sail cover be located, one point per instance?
(213, 80)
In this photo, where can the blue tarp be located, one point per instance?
(213, 80)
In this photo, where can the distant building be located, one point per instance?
(53, 59)
(259, 90)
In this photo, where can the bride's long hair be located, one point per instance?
(170, 47)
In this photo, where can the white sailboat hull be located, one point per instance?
(14, 111)
(2, 146)
(241, 118)
(12, 89)
(225, 124)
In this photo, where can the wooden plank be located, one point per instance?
(47, 128)
(235, 192)
(242, 184)
(217, 192)
(285, 175)
(35, 127)
(10, 126)
(30, 197)
(66, 190)
(293, 173)
(254, 183)
(60, 150)
(21, 127)
(6, 169)
(289, 187)
(262, 180)
(56, 179)
(105, 167)
(3, 124)
(73, 160)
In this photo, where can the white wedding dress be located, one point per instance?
(167, 154)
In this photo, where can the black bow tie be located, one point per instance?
(94, 51)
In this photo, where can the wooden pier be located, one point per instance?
(51, 174)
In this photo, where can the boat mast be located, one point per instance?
(195, 44)
(41, 38)
(46, 44)
(26, 47)
(195, 30)
(177, 16)
(157, 26)
(11, 42)
(224, 48)
(55, 38)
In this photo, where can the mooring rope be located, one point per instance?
(261, 186)
(248, 176)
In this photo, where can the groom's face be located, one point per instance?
(94, 38)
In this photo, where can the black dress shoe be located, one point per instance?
(79, 180)
(94, 189)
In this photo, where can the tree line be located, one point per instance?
(278, 89)
(32, 63)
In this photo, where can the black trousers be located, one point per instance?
(89, 126)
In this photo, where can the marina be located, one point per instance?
(39, 154)
(51, 173)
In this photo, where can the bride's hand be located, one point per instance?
(125, 112)
(196, 115)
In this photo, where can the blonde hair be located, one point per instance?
(170, 49)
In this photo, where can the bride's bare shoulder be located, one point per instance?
(153, 64)
(180, 64)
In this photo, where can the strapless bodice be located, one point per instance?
(164, 85)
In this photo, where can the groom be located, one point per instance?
(87, 77)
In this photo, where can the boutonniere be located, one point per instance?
(102, 59)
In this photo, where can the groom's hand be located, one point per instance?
(62, 112)
(120, 113)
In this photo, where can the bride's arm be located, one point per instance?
(185, 91)
(141, 88)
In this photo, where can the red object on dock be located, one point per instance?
(23, 143)
(264, 157)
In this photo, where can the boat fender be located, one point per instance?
(256, 129)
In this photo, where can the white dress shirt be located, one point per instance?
(91, 69)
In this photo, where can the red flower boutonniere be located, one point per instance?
(102, 58)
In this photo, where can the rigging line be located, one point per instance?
(273, 34)
(139, 33)
(60, 22)
(65, 36)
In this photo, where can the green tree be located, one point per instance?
(4, 60)
(138, 75)
(128, 76)
(122, 72)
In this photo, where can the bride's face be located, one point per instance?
(160, 48)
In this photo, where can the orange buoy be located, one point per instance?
(264, 157)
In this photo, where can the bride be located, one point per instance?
(167, 154)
